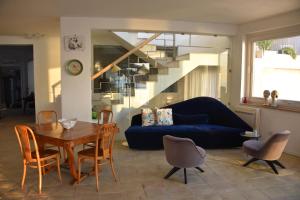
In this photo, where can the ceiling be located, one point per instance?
(44, 15)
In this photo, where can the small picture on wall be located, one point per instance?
(73, 42)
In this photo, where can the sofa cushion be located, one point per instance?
(180, 119)
(177, 129)
(204, 135)
(148, 117)
(164, 116)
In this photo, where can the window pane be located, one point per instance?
(276, 66)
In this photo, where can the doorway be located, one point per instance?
(17, 79)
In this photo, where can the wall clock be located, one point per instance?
(74, 67)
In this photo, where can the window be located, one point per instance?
(274, 64)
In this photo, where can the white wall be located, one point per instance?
(76, 90)
(271, 120)
(46, 62)
(161, 99)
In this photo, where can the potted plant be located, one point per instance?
(289, 51)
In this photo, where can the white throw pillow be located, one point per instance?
(148, 117)
(164, 116)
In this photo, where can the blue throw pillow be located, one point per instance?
(190, 119)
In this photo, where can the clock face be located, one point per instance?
(74, 67)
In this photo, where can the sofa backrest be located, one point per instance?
(218, 113)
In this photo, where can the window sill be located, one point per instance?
(278, 107)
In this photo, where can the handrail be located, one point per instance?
(120, 59)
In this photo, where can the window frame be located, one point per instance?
(289, 105)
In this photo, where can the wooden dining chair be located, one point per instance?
(49, 116)
(33, 157)
(105, 116)
(102, 153)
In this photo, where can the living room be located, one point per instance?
(141, 173)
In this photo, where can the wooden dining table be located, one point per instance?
(55, 134)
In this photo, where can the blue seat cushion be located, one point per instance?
(204, 135)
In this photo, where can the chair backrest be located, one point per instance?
(106, 116)
(47, 116)
(181, 152)
(274, 146)
(24, 134)
(105, 140)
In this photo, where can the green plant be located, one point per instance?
(264, 44)
(289, 51)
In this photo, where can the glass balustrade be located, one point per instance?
(139, 80)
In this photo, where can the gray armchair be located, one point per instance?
(269, 151)
(182, 153)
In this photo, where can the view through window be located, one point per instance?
(276, 66)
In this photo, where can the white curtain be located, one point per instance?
(202, 81)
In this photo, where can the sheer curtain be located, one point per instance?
(202, 81)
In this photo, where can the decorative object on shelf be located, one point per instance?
(266, 97)
(244, 100)
(94, 115)
(274, 96)
(73, 43)
(74, 67)
(68, 123)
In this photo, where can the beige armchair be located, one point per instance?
(182, 153)
(269, 151)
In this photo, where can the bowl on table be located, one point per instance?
(68, 123)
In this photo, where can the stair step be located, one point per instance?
(158, 70)
(183, 57)
(116, 101)
(156, 54)
(152, 77)
(164, 60)
(148, 47)
(172, 64)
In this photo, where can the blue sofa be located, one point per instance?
(208, 122)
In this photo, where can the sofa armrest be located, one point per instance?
(136, 120)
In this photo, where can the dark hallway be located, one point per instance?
(16, 79)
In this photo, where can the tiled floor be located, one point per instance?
(141, 172)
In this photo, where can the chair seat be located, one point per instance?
(45, 153)
(252, 147)
(90, 152)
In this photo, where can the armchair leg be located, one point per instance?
(276, 162)
(250, 161)
(270, 163)
(185, 178)
(171, 172)
(200, 169)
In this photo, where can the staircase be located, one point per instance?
(164, 72)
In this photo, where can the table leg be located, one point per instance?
(69, 147)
